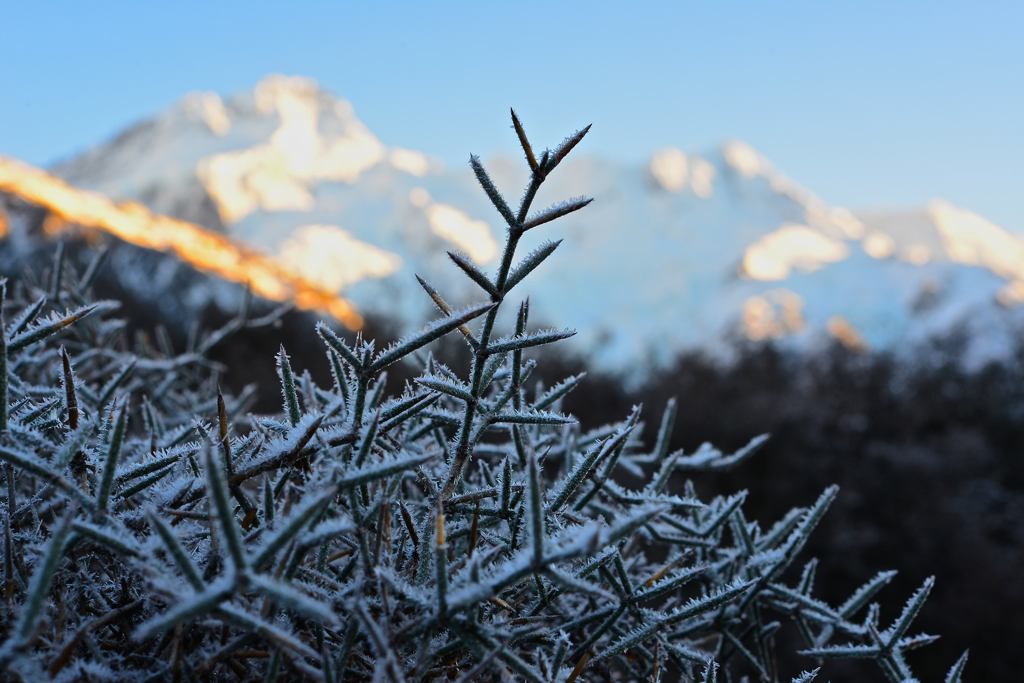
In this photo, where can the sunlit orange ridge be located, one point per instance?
(204, 249)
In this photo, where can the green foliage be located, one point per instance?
(465, 530)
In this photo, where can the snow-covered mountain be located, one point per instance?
(684, 252)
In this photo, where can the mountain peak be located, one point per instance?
(746, 160)
(317, 138)
(274, 94)
(264, 149)
(272, 89)
(209, 108)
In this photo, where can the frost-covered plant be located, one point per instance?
(465, 530)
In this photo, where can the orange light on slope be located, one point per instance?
(206, 250)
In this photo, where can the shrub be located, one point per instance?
(464, 530)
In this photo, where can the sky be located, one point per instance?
(868, 104)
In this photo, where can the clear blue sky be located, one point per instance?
(868, 103)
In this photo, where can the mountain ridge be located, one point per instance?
(688, 251)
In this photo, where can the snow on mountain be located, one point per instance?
(687, 251)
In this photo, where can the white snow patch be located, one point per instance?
(847, 222)
(670, 168)
(775, 314)
(334, 259)
(674, 172)
(917, 254)
(774, 256)
(878, 245)
(745, 159)
(409, 160)
(209, 108)
(472, 236)
(972, 240)
(702, 176)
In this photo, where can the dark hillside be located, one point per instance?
(928, 460)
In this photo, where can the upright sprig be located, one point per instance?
(499, 286)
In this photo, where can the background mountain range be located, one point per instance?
(687, 252)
